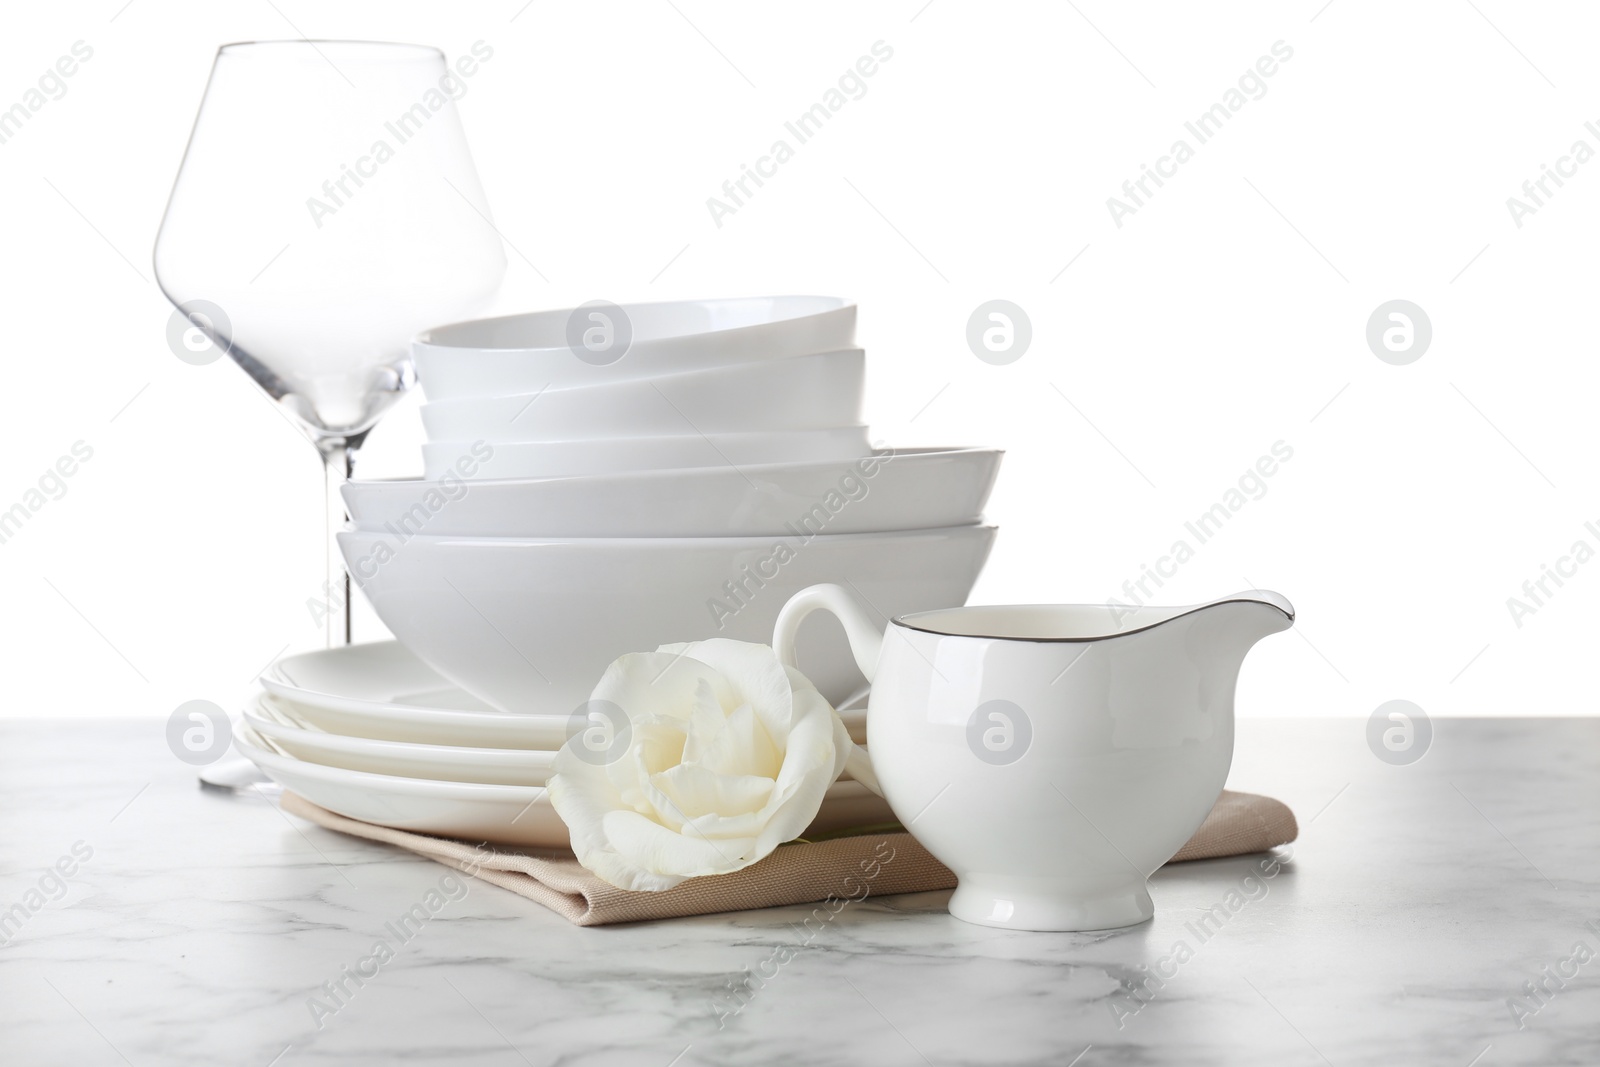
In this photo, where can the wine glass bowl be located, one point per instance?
(328, 206)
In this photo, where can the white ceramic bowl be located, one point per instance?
(529, 625)
(526, 353)
(561, 459)
(906, 489)
(800, 393)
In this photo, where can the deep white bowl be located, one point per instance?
(799, 393)
(906, 489)
(529, 625)
(526, 353)
(614, 455)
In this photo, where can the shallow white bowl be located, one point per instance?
(526, 353)
(801, 393)
(560, 459)
(904, 489)
(529, 625)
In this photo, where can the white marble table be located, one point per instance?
(1417, 901)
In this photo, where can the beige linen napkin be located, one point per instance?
(840, 869)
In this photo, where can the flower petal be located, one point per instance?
(797, 680)
(657, 744)
(732, 744)
(719, 827)
(647, 847)
(753, 676)
(811, 743)
(817, 751)
(582, 795)
(657, 683)
(696, 791)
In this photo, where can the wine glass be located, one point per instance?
(326, 210)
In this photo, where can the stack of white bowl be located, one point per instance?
(583, 501)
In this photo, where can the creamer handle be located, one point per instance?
(866, 640)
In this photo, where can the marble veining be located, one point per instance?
(1421, 906)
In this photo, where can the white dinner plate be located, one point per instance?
(382, 691)
(407, 759)
(291, 733)
(502, 814)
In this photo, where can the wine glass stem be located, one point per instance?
(338, 460)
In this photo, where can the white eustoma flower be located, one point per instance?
(722, 755)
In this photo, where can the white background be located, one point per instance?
(1227, 314)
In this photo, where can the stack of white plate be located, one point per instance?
(373, 733)
(580, 504)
